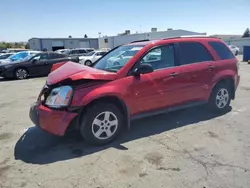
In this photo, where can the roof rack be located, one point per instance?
(145, 40)
(190, 36)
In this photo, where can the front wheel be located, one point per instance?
(236, 53)
(21, 73)
(220, 98)
(88, 63)
(102, 123)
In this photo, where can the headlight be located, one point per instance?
(59, 97)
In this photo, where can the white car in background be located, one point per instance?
(89, 58)
(123, 57)
(61, 51)
(235, 50)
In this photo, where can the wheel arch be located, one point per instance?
(20, 67)
(228, 80)
(110, 99)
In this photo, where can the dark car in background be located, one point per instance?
(37, 65)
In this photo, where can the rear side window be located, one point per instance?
(222, 51)
(82, 51)
(193, 52)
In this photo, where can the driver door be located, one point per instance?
(39, 65)
(156, 90)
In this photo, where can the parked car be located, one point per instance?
(101, 100)
(61, 51)
(37, 65)
(19, 56)
(78, 51)
(123, 56)
(5, 56)
(89, 58)
(235, 50)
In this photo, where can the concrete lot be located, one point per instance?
(190, 148)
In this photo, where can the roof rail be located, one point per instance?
(191, 36)
(145, 40)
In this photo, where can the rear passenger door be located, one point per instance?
(40, 66)
(196, 71)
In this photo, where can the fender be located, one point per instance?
(85, 96)
(224, 74)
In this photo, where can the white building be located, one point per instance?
(52, 44)
(111, 42)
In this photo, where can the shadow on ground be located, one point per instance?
(38, 147)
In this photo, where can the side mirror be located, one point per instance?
(143, 69)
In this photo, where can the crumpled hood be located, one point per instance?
(75, 71)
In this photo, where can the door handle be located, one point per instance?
(173, 74)
(211, 67)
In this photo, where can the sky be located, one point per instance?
(24, 19)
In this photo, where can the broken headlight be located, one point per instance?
(59, 97)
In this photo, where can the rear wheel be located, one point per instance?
(21, 73)
(88, 63)
(220, 98)
(236, 53)
(102, 123)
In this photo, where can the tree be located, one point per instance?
(85, 36)
(70, 36)
(246, 33)
(27, 46)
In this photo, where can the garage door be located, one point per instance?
(84, 44)
(57, 43)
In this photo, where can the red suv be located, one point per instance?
(132, 81)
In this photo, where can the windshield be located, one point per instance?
(89, 54)
(66, 52)
(29, 57)
(115, 60)
(18, 56)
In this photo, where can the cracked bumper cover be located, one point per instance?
(53, 121)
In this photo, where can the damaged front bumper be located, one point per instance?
(53, 121)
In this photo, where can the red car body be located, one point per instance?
(137, 96)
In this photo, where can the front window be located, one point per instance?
(119, 57)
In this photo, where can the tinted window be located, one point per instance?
(222, 51)
(5, 56)
(41, 56)
(160, 58)
(56, 55)
(82, 51)
(74, 52)
(102, 53)
(193, 52)
(89, 50)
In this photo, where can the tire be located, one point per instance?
(116, 63)
(236, 53)
(21, 73)
(220, 98)
(101, 132)
(88, 63)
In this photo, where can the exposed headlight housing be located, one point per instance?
(59, 97)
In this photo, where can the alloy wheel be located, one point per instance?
(222, 98)
(104, 125)
(21, 73)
